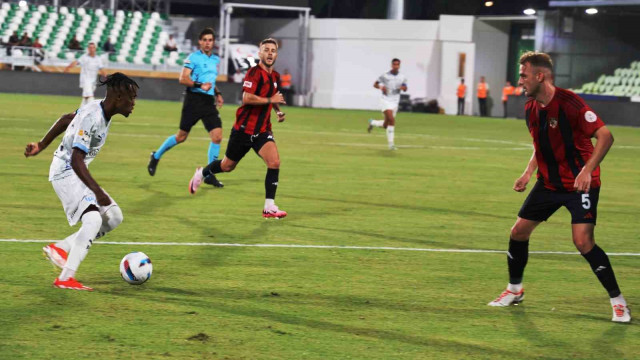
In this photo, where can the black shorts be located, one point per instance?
(240, 143)
(199, 106)
(542, 203)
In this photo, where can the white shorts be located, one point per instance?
(88, 88)
(389, 105)
(76, 197)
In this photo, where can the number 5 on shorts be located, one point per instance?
(586, 203)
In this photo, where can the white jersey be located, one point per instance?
(392, 83)
(87, 131)
(90, 67)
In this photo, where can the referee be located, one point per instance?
(199, 76)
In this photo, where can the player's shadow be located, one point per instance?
(381, 236)
(528, 330)
(388, 207)
(444, 345)
(608, 343)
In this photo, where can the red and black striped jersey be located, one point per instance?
(255, 119)
(562, 133)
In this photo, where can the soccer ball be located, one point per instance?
(136, 268)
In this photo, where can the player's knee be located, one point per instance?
(180, 138)
(518, 232)
(216, 138)
(113, 217)
(273, 164)
(92, 221)
(227, 167)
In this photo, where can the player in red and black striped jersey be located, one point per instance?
(568, 164)
(252, 129)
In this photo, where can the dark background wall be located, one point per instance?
(68, 84)
(612, 112)
(583, 47)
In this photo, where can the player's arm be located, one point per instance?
(73, 63)
(604, 140)
(521, 183)
(185, 79)
(280, 114)
(252, 99)
(80, 168)
(60, 126)
(378, 85)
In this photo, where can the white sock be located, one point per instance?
(618, 300)
(268, 203)
(67, 243)
(390, 133)
(514, 288)
(377, 123)
(91, 223)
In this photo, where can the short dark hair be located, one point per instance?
(207, 31)
(394, 60)
(269, 41)
(536, 58)
(119, 80)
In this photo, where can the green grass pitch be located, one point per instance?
(447, 187)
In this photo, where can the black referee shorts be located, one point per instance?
(240, 143)
(198, 106)
(542, 203)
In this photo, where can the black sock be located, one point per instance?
(271, 183)
(517, 259)
(212, 168)
(601, 266)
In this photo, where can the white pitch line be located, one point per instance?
(297, 246)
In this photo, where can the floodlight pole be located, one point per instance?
(225, 33)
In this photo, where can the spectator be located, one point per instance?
(37, 50)
(238, 77)
(483, 93)
(462, 93)
(506, 91)
(285, 86)
(14, 40)
(108, 46)
(170, 44)
(25, 40)
(74, 44)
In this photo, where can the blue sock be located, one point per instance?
(214, 150)
(166, 145)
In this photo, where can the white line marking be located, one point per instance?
(425, 147)
(297, 246)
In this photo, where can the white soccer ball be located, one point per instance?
(136, 268)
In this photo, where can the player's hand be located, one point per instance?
(280, 116)
(103, 199)
(205, 86)
(278, 98)
(383, 89)
(32, 149)
(219, 101)
(583, 181)
(521, 183)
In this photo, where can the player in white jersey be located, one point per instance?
(90, 64)
(390, 84)
(82, 198)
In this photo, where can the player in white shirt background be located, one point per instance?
(390, 84)
(91, 65)
(82, 198)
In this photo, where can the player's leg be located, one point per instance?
(213, 124)
(269, 153)
(237, 147)
(390, 125)
(91, 223)
(540, 204)
(88, 89)
(190, 115)
(379, 123)
(584, 212)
